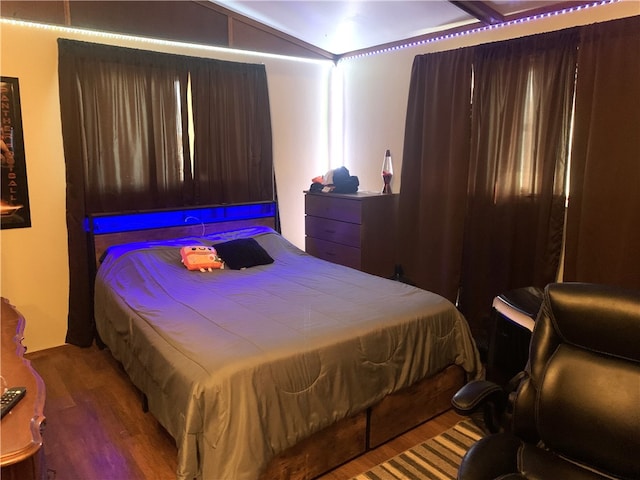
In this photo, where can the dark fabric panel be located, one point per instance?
(522, 100)
(434, 171)
(603, 219)
(121, 120)
(80, 319)
(232, 122)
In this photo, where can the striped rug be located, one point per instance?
(437, 458)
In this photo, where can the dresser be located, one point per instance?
(21, 456)
(357, 230)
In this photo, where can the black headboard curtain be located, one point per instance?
(126, 143)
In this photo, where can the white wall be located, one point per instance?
(33, 261)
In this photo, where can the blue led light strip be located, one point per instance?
(126, 222)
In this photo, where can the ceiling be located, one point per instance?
(339, 26)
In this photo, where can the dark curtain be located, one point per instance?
(603, 219)
(120, 118)
(522, 100)
(233, 151)
(126, 144)
(128, 124)
(434, 173)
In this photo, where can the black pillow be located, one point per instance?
(242, 253)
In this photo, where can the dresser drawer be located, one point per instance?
(333, 230)
(356, 230)
(333, 252)
(336, 208)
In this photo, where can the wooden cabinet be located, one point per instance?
(356, 230)
(21, 456)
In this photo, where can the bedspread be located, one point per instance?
(239, 365)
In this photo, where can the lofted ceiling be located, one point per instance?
(340, 27)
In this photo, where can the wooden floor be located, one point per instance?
(96, 429)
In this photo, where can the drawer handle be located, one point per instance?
(329, 231)
(330, 254)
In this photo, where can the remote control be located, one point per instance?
(10, 398)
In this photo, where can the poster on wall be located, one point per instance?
(14, 206)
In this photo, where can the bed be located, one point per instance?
(262, 372)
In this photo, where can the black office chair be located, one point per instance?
(575, 411)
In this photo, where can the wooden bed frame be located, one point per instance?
(343, 441)
(353, 436)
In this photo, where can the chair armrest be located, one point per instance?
(475, 395)
(487, 397)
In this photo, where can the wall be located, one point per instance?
(375, 93)
(33, 261)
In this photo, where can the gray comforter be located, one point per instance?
(239, 365)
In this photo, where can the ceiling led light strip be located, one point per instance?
(154, 41)
(482, 29)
